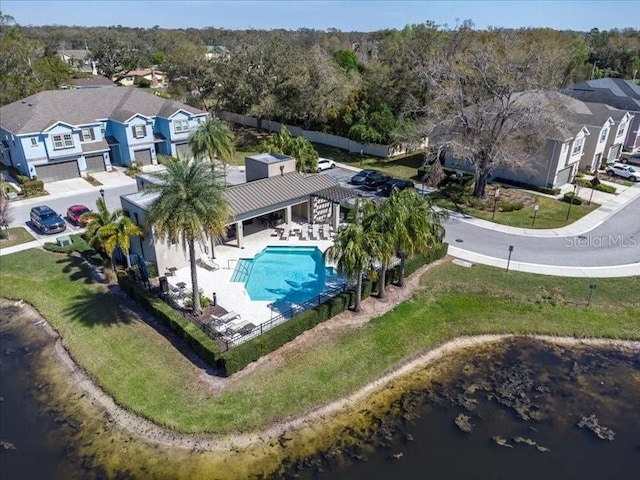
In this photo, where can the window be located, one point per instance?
(139, 131)
(34, 142)
(103, 129)
(62, 141)
(621, 128)
(577, 146)
(87, 134)
(603, 134)
(180, 126)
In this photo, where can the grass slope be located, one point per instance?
(145, 373)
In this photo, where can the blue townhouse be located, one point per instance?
(61, 134)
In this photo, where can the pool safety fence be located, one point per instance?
(286, 314)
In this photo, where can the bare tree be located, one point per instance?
(5, 214)
(483, 104)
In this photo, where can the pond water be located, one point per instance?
(522, 390)
(530, 397)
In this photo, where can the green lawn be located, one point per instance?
(16, 236)
(144, 372)
(551, 214)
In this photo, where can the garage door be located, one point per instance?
(563, 177)
(143, 157)
(183, 150)
(95, 163)
(58, 171)
(614, 152)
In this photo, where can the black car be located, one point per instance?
(375, 181)
(395, 184)
(360, 177)
(46, 220)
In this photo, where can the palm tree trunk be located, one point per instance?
(126, 255)
(403, 257)
(195, 291)
(213, 246)
(382, 280)
(113, 262)
(356, 307)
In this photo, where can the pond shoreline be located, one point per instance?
(147, 431)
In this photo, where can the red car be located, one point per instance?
(74, 214)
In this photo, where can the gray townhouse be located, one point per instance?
(62, 134)
(617, 93)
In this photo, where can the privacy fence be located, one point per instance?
(314, 136)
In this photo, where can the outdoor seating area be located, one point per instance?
(305, 231)
(231, 326)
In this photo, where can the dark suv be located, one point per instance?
(375, 181)
(46, 220)
(395, 184)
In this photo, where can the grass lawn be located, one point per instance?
(144, 372)
(16, 236)
(551, 214)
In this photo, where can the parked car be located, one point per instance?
(624, 171)
(325, 164)
(360, 177)
(375, 181)
(46, 220)
(74, 214)
(395, 184)
(633, 158)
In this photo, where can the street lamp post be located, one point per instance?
(575, 193)
(496, 197)
(592, 288)
(509, 259)
(535, 212)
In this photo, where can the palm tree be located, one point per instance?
(95, 221)
(189, 207)
(118, 234)
(417, 228)
(378, 221)
(213, 139)
(298, 147)
(354, 251)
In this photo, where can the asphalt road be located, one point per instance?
(614, 242)
(20, 211)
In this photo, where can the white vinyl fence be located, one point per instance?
(343, 143)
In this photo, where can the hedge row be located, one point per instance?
(535, 188)
(33, 187)
(78, 244)
(239, 357)
(571, 198)
(583, 182)
(199, 341)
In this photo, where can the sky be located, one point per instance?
(355, 15)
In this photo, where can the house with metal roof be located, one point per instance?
(617, 93)
(61, 134)
(274, 195)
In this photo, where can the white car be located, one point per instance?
(325, 164)
(624, 171)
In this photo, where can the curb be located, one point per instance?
(613, 271)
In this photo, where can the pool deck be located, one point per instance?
(232, 295)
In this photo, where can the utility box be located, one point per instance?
(64, 241)
(267, 165)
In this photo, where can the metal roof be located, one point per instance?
(274, 192)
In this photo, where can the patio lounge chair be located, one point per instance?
(325, 234)
(227, 317)
(207, 263)
(304, 232)
(286, 230)
(315, 232)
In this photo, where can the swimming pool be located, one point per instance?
(286, 274)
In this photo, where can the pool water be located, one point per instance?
(286, 274)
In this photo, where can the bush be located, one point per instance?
(506, 206)
(583, 182)
(571, 198)
(33, 187)
(204, 301)
(528, 186)
(144, 83)
(204, 346)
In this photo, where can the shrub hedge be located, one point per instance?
(78, 244)
(583, 182)
(535, 188)
(571, 198)
(199, 341)
(33, 187)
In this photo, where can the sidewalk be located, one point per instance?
(629, 270)
(580, 227)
